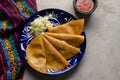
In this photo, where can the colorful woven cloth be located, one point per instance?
(12, 15)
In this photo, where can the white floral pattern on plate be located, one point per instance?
(58, 17)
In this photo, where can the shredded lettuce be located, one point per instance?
(40, 25)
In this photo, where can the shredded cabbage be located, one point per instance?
(40, 25)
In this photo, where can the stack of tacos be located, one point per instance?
(53, 49)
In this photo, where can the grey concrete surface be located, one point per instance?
(102, 57)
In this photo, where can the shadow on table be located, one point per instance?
(64, 76)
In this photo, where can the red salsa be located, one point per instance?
(85, 5)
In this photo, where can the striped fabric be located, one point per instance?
(12, 14)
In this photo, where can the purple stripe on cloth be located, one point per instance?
(11, 66)
(4, 65)
(21, 12)
(16, 15)
(16, 10)
(6, 11)
(13, 13)
(31, 4)
(5, 52)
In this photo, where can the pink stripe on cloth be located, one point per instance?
(12, 14)
(6, 11)
(3, 64)
(16, 10)
(32, 2)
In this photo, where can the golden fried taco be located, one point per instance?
(55, 60)
(35, 54)
(74, 40)
(72, 27)
(66, 50)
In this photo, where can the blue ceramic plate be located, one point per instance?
(59, 17)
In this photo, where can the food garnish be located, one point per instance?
(40, 25)
(52, 50)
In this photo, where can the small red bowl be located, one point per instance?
(82, 14)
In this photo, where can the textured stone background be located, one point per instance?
(102, 57)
